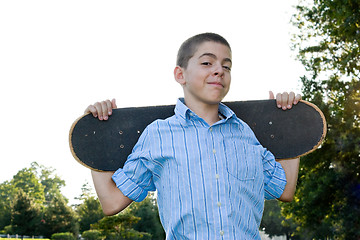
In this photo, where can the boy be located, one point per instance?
(211, 173)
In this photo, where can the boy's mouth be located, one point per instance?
(219, 84)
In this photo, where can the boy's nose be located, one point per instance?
(219, 71)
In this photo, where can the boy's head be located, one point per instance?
(189, 47)
(203, 69)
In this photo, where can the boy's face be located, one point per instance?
(207, 77)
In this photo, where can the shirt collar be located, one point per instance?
(184, 113)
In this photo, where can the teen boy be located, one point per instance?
(211, 173)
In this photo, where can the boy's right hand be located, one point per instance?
(101, 110)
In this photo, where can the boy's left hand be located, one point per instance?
(285, 100)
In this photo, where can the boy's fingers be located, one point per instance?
(99, 111)
(271, 95)
(284, 100)
(104, 110)
(91, 109)
(278, 100)
(113, 103)
(291, 100)
(108, 107)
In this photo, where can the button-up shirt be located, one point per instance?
(211, 181)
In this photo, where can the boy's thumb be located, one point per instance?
(271, 95)
(113, 103)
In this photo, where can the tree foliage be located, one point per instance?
(26, 215)
(149, 221)
(51, 182)
(89, 211)
(120, 227)
(327, 201)
(6, 197)
(28, 199)
(273, 223)
(32, 204)
(59, 218)
(328, 36)
(27, 180)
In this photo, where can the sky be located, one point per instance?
(57, 57)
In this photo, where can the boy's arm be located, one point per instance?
(112, 200)
(291, 166)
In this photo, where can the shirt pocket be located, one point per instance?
(241, 160)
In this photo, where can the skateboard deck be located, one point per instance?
(105, 145)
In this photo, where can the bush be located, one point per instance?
(63, 236)
(92, 235)
(130, 234)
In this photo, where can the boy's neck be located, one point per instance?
(208, 112)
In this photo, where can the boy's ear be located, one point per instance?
(179, 75)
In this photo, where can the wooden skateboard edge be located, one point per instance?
(322, 138)
(72, 148)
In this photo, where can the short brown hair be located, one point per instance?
(189, 47)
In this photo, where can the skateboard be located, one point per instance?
(105, 145)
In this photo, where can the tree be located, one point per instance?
(89, 212)
(28, 181)
(120, 226)
(51, 182)
(328, 36)
(26, 215)
(7, 194)
(149, 221)
(59, 218)
(36, 191)
(327, 199)
(273, 223)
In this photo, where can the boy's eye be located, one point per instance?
(206, 63)
(227, 68)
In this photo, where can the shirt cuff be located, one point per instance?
(128, 187)
(275, 178)
(275, 187)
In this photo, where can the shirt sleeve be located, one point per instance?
(135, 179)
(274, 176)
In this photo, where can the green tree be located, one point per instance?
(25, 215)
(327, 200)
(51, 182)
(327, 38)
(7, 194)
(27, 180)
(40, 188)
(120, 226)
(148, 213)
(274, 223)
(59, 218)
(89, 212)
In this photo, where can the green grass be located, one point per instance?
(24, 238)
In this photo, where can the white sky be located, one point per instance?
(57, 57)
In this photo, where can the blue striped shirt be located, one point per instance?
(211, 180)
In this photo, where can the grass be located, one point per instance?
(24, 238)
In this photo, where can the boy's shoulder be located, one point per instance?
(162, 123)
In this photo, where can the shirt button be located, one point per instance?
(217, 176)
(219, 204)
(214, 151)
(211, 129)
(221, 232)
